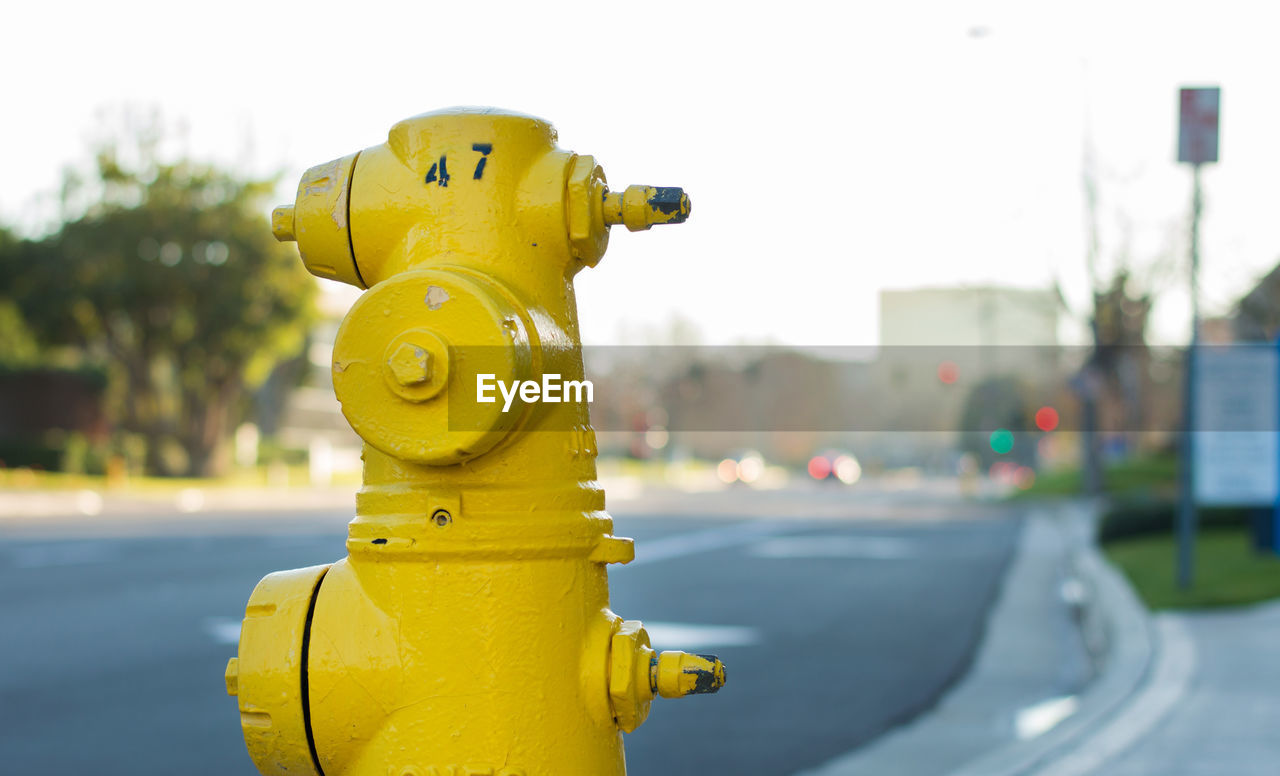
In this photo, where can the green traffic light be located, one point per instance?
(1001, 441)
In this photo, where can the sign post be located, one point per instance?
(1198, 111)
(1237, 412)
(1275, 502)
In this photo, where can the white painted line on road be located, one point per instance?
(224, 630)
(861, 547)
(663, 635)
(690, 638)
(1170, 679)
(1044, 716)
(667, 547)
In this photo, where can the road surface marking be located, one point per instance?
(1044, 716)
(679, 545)
(839, 546)
(691, 638)
(1170, 679)
(664, 635)
(224, 630)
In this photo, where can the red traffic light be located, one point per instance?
(1046, 418)
(948, 372)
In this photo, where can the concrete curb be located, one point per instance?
(971, 730)
(1113, 615)
(1164, 689)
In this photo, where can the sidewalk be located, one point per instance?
(1212, 706)
(1034, 662)
(1175, 694)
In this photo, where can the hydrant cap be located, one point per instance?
(267, 674)
(469, 327)
(320, 221)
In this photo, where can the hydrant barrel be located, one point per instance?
(468, 630)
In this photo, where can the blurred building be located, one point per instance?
(1217, 330)
(1256, 317)
(310, 417)
(965, 358)
(42, 409)
(972, 316)
(784, 403)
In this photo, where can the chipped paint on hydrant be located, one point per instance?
(468, 630)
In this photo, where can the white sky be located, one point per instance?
(830, 149)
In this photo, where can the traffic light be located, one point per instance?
(1046, 419)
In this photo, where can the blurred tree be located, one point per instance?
(1121, 298)
(167, 274)
(998, 403)
(18, 344)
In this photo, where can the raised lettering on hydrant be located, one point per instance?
(468, 630)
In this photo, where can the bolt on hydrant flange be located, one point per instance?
(468, 630)
(410, 363)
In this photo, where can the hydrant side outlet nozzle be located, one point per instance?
(468, 630)
(640, 207)
(282, 223)
(677, 674)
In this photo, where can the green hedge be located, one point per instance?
(93, 376)
(33, 453)
(1131, 519)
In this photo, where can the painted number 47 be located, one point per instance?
(439, 172)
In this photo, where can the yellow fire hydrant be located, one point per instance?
(468, 631)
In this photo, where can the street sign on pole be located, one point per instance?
(1198, 125)
(1236, 456)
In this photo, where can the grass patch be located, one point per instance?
(255, 477)
(1142, 477)
(1053, 482)
(1228, 572)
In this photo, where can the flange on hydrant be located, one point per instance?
(468, 632)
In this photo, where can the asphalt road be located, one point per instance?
(112, 649)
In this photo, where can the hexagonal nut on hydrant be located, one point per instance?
(232, 676)
(637, 674)
(585, 190)
(410, 364)
(630, 687)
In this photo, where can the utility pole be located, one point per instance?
(1187, 516)
(1197, 145)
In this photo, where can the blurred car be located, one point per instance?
(835, 466)
(746, 466)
